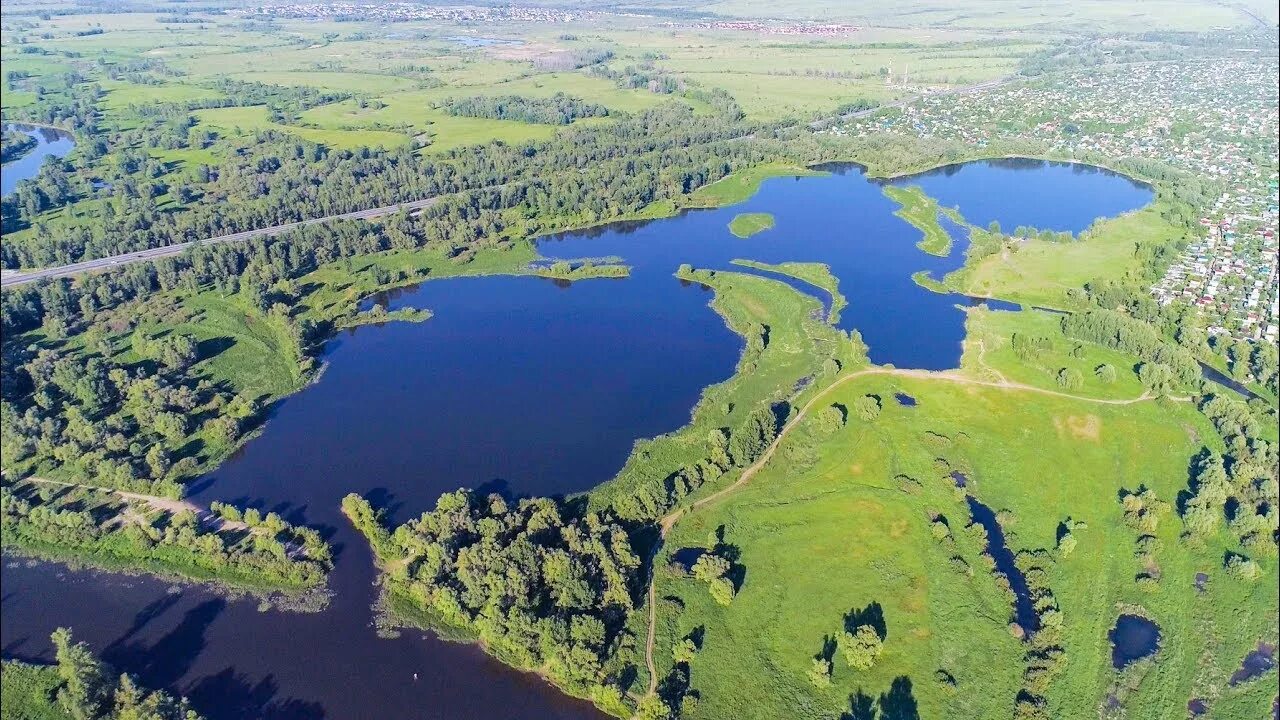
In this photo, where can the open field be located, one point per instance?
(1037, 272)
(830, 527)
(248, 120)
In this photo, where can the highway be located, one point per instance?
(13, 279)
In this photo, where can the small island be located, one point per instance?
(744, 225)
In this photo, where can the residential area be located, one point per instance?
(1216, 119)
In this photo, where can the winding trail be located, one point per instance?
(669, 520)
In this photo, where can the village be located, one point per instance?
(1216, 119)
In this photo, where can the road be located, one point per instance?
(14, 279)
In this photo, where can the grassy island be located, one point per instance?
(921, 211)
(744, 225)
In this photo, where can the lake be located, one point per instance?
(521, 385)
(50, 142)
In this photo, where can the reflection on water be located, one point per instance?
(51, 142)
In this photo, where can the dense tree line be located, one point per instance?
(273, 178)
(559, 109)
(1165, 364)
(541, 584)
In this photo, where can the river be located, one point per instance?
(50, 142)
(529, 387)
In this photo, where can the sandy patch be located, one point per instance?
(1079, 427)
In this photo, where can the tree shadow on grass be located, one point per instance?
(861, 707)
(872, 615)
(899, 703)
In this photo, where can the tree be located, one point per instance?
(1156, 377)
(158, 461)
(1243, 568)
(1070, 378)
(684, 651)
(83, 694)
(862, 647)
(1106, 373)
(722, 590)
(652, 707)
(710, 566)
(820, 672)
(867, 407)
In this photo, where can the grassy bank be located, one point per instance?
(816, 274)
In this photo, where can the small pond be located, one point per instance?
(1133, 638)
(1258, 662)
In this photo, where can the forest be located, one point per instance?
(559, 109)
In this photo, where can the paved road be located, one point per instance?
(13, 279)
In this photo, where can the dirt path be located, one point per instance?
(206, 517)
(669, 520)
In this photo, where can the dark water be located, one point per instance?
(1024, 611)
(516, 384)
(1216, 375)
(1259, 661)
(1133, 638)
(52, 143)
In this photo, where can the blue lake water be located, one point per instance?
(523, 385)
(51, 143)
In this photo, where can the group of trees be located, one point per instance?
(99, 527)
(1240, 487)
(726, 449)
(90, 690)
(542, 583)
(113, 424)
(581, 176)
(1165, 365)
(14, 144)
(559, 109)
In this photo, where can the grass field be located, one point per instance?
(829, 530)
(1037, 272)
(1187, 15)
(740, 186)
(989, 354)
(816, 274)
(248, 120)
